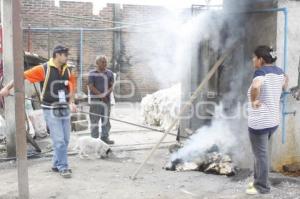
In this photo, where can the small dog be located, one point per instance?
(92, 146)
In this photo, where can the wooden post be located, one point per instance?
(13, 67)
(8, 72)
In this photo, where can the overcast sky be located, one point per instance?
(172, 4)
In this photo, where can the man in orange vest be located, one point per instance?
(57, 96)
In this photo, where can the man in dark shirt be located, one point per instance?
(100, 82)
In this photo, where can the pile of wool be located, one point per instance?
(162, 107)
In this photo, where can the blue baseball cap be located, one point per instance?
(61, 49)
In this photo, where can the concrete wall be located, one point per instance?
(290, 151)
(136, 66)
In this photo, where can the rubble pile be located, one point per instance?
(212, 162)
(160, 108)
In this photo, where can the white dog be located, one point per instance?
(92, 146)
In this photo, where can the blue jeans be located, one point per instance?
(58, 122)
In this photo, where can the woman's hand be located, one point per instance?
(256, 104)
(4, 92)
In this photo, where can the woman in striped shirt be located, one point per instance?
(263, 113)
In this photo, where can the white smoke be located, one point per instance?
(168, 45)
(219, 133)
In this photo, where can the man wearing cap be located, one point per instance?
(57, 96)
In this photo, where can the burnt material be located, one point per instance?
(291, 169)
(212, 163)
(172, 166)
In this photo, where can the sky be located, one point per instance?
(172, 4)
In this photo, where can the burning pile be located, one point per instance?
(208, 149)
(159, 108)
(212, 161)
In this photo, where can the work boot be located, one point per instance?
(107, 141)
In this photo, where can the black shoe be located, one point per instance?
(107, 141)
(66, 173)
(54, 169)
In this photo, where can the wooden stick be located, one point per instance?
(186, 106)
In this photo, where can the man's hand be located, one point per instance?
(73, 107)
(255, 104)
(4, 92)
(106, 94)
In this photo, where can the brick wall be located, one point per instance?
(140, 71)
(44, 14)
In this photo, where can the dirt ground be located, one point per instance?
(110, 178)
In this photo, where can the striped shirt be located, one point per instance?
(268, 114)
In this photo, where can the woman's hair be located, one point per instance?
(267, 53)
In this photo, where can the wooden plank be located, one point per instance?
(14, 67)
(19, 100)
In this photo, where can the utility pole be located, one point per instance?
(14, 69)
(116, 38)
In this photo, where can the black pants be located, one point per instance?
(260, 143)
(101, 108)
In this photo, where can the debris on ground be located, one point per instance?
(212, 162)
(292, 169)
